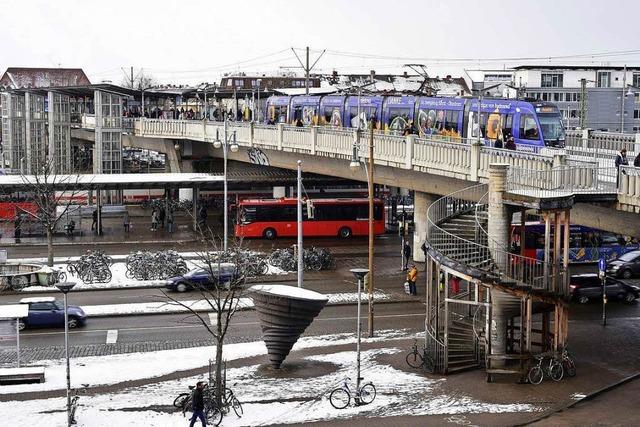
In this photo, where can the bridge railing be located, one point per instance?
(337, 142)
(608, 141)
(519, 159)
(561, 181)
(429, 155)
(629, 188)
(296, 139)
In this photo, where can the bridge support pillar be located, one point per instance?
(499, 215)
(421, 202)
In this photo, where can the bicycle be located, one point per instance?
(417, 360)
(341, 396)
(568, 364)
(74, 403)
(553, 369)
(56, 276)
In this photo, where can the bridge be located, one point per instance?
(483, 298)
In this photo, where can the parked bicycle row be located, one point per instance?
(92, 267)
(145, 265)
(315, 259)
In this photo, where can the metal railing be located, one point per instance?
(503, 265)
(435, 348)
(629, 188)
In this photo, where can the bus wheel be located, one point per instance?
(269, 233)
(345, 232)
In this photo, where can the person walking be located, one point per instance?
(406, 255)
(170, 221)
(94, 223)
(154, 220)
(17, 222)
(511, 144)
(636, 161)
(197, 400)
(161, 217)
(126, 221)
(621, 160)
(412, 276)
(202, 216)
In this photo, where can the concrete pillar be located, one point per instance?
(408, 160)
(314, 139)
(279, 192)
(499, 215)
(475, 161)
(280, 130)
(421, 202)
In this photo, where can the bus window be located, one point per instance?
(529, 128)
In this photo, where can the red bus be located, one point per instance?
(273, 218)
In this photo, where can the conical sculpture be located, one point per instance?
(285, 312)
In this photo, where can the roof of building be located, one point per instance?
(24, 77)
(575, 67)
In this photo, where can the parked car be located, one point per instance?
(626, 266)
(587, 287)
(47, 312)
(205, 278)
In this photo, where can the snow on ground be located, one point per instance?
(166, 307)
(269, 400)
(113, 369)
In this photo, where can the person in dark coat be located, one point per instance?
(94, 223)
(17, 222)
(511, 144)
(636, 161)
(621, 160)
(198, 405)
(406, 255)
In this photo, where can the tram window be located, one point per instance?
(451, 121)
(528, 127)
(507, 130)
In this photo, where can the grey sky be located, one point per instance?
(194, 41)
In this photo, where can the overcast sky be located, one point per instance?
(194, 41)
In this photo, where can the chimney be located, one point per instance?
(406, 75)
(448, 77)
(372, 73)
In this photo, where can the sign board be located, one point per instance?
(602, 267)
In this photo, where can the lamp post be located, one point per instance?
(359, 273)
(299, 205)
(65, 287)
(259, 81)
(354, 165)
(234, 148)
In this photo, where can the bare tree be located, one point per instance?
(49, 190)
(140, 81)
(223, 299)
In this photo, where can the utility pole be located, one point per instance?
(299, 206)
(583, 102)
(307, 68)
(624, 87)
(132, 77)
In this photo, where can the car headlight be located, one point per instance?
(615, 267)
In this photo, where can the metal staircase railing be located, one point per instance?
(494, 262)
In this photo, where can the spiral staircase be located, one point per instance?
(490, 280)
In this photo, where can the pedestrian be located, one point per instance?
(511, 144)
(94, 223)
(197, 404)
(455, 285)
(299, 123)
(412, 276)
(621, 160)
(636, 161)
(498, 143)
(126, 221)
(154, 220)
(406, 254)
(17, 222)
(161, 217)
(170, 221)
(202, 216)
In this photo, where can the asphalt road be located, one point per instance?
(244, 327)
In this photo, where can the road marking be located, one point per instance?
(112, 336)
(147, 328)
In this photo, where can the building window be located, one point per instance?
(229, 82)
(239, 83)
(551, 80)
(636, 79)
(604, 79)
(636, 114)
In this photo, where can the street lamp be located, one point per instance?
(65, 287)
(354, 165)
(233, 146)
(359, 273)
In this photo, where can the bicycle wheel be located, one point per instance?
(569, 367)
(339, 398)
(367, 393)
(213, 415)
(181, 400)
(535, 375)
(556, 372)
(237, 407)
(62, 276)
(414, 359)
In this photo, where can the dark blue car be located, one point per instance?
(46, 312)
(204, 278)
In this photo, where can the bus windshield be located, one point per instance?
(552, 128)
